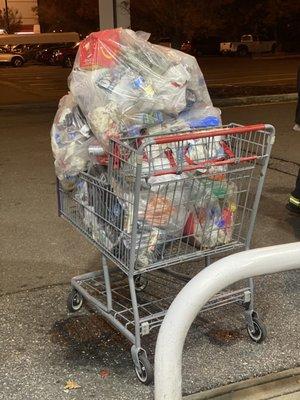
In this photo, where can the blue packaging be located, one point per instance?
(138, 82)
(204, 122)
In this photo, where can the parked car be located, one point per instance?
(9, 57)
(209, 45)
(247, 45)
(45, 53)
(64, 56)
(186, 47)
(28, 51)
(202, 45)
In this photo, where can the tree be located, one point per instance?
(256, 16)
(175, 19)
(242, 17)
(68, 15)
(10, 20)
(278, 11)
(230, 19)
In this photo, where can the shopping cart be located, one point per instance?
(166, 201)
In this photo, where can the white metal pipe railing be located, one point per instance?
(200, 289)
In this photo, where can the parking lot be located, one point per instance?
(43, 83)
(43, 345)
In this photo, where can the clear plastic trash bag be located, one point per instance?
(123, 84)
(70, 138)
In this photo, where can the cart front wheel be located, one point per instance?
(141, 283)
(260, 332)
(146, 375)
(75, 301)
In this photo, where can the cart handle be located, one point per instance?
(204, 164)
(178, 137)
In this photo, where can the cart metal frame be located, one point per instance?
(134, 298)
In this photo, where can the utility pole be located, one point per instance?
(107, 14)
(7, 17)
(113, 15)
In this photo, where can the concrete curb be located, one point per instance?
(279, 382)
(226, 102)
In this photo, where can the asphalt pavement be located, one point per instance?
(225, 77)
(230, 71)
(42, 346)
(32, 84)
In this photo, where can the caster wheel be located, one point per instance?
(260, 331)
(146, 376)
(246, 305)
(141, 283)
(75, 301)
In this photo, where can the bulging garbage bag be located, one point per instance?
(124, 84)
(70, 138)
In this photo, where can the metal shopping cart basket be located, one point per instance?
(160, 204)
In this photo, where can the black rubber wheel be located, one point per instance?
(141, 282)
(260, 331)
(146, 376)
(74, 301)
(246, 304)
(17, 62)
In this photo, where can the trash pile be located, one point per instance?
(122, 86)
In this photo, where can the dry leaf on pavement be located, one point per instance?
(71, 385)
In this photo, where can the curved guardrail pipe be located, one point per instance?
(200, 289)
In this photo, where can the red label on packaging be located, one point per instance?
(100, 49)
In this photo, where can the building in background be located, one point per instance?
(30, 22)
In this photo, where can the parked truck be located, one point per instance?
(247, 45)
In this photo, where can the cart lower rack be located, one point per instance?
(163, 201)
(153, 299)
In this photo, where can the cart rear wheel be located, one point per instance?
(260, 331)
(146, 375)
(141, 282)
(75, 301)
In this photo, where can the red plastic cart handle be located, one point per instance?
(205, 134)
(203, 165)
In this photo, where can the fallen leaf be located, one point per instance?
(104, 373)
(71, 385)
